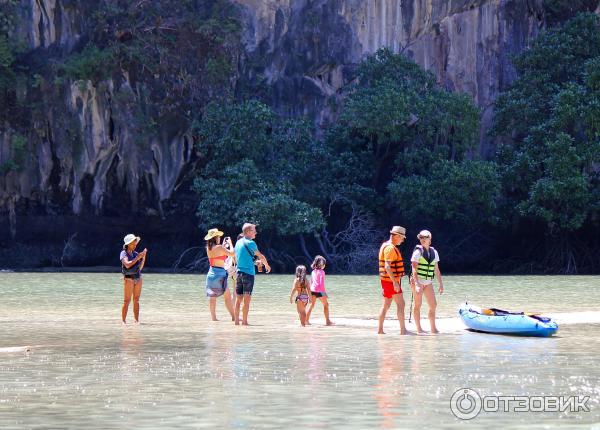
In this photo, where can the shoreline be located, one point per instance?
(164, 270)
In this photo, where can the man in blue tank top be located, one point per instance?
(246, 252)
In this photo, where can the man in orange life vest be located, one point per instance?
(391, 270)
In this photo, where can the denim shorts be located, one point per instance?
(245, 284)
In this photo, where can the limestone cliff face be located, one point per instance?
(85, 152)
(310, 45)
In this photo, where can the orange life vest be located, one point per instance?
(397, 264)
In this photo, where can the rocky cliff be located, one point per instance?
(310, 46)
(83, 153)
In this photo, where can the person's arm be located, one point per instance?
(129, 263)
(390, 272)
(388, 269)
(263, 260)
(143, 262)
(293, 289)
(415, 274)
(225, 250)
(228, 245)
(439, 276)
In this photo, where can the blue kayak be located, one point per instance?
(503, 322)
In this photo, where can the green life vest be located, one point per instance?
(426, 265)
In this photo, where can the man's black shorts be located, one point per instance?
(244, 284)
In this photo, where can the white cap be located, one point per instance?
(422, 233)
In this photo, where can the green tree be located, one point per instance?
(254, 164)
(550, 121)
(463, 194)
(551, 115)
(396, 107)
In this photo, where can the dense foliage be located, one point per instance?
(255, 168)
(258, 166)
(164, 59)
(177, 54)
(400, 151)
(551, 118)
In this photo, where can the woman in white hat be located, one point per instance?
(425, 267)
(132, 263)
(216, 279)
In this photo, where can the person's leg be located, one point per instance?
(233, 284)
(238, 302)
(228, 304)
(239, 291)
(137, 292)
(326, 310)
(247, 290)
(212, 307)
(399, 299)
(313, 300)
(432, 303)
(387, 301)
(418, 297)
(301, 308)
(246, 309)
(127, 292)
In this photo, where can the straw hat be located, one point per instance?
(213, 232)
(130, 238)
(398, 230)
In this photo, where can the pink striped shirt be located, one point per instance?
(317, 281)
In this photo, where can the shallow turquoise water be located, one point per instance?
(178, 369)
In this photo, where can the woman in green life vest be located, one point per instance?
(425, 268)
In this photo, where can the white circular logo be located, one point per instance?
(465, 403)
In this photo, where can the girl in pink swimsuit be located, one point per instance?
(317, 288)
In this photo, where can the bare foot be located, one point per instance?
(307, 323)
(245, 323)
(421, 332)
(380, 332)
(215, 319)
(136, 322)
(123, 322)
(435, 331)
(237, 322)
(403, 332)
(329, 323)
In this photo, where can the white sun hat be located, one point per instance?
(130, 238)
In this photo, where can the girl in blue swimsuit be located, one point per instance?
(301, 288)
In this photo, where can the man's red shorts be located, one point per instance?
(388, 288)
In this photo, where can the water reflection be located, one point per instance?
(180, 370)
(390, 391)
(317, 348)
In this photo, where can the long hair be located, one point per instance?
(301, 275)
(318, 262)
(211, 242)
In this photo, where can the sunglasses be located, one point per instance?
(424, 237)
